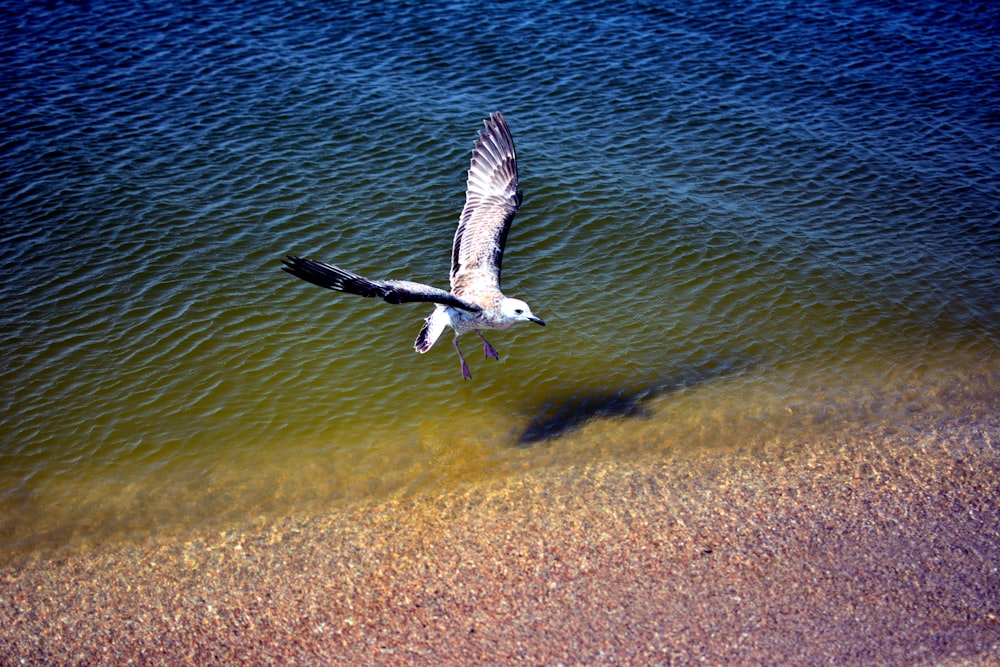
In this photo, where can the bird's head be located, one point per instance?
(515, 309)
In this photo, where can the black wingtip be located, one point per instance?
(300, 268)
(312, 271)
(333, 277)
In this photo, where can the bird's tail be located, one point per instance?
(434, 326)
(331, 277)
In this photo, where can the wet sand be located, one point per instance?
(879, 546)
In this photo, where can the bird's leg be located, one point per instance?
(488, 349)
(466, 375)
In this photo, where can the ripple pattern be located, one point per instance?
(757, 200)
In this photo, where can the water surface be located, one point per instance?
(736, 223)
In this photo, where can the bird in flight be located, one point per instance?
(475, 301)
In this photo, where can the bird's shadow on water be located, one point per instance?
(563, 413)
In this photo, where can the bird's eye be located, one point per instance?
(519, 311)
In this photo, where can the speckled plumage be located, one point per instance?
(475, 301)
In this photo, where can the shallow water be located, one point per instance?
(730, 217)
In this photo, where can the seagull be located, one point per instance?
(475, 301)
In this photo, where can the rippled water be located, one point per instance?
(731, 217)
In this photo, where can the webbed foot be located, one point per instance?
(488, 350)
(466, 374)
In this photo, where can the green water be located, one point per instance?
(734, 234)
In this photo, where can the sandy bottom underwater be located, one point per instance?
(880, 545)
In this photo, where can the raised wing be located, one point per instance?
(393, 291)
(491, 201)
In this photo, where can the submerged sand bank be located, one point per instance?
(880, 546)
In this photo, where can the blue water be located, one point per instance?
(731, 216)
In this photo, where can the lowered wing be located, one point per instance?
(393, 291)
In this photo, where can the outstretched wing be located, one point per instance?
(393, 291)
(491, 201)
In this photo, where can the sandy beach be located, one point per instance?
(881, 546)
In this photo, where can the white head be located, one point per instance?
(516, 310)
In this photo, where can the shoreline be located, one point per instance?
(881, 545)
